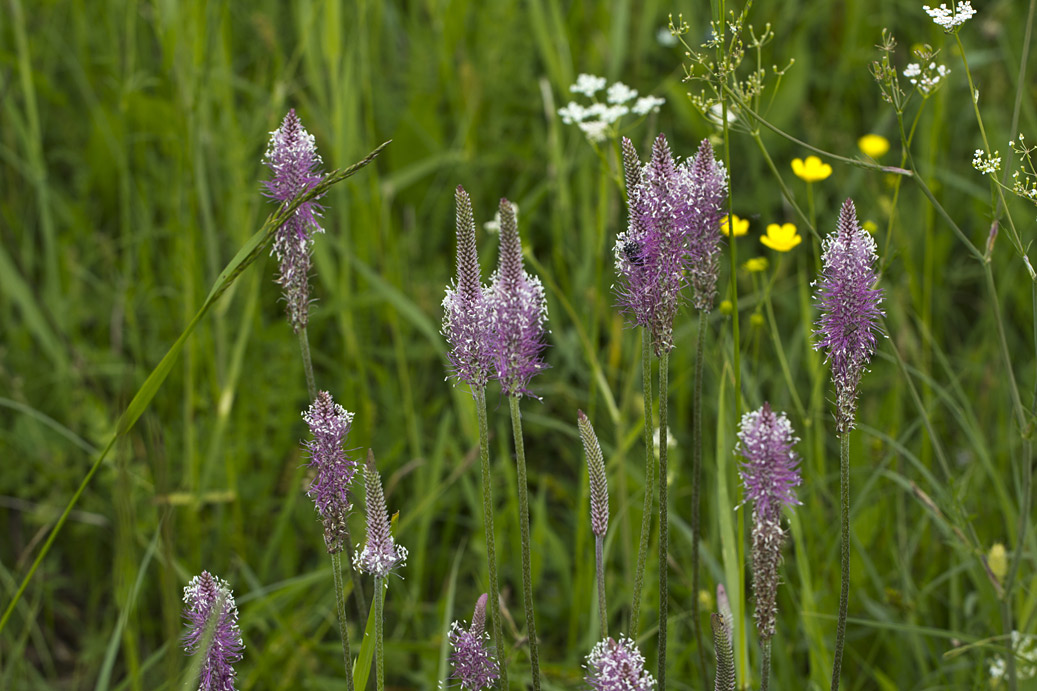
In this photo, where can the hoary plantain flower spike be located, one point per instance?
(725, 679)
(329, 425)
(617, 666)
(709, 192)
(292, 156)
(212, 621)
(381, 554)
(473, 665)
(596, 472)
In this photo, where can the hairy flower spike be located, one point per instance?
(329, 424)
(518, 310)
(709, 192)
(596, 471)
(381, 554)
(770, 475)
(465, 314)
(673, 230)
(617, 666)
(725, 679)
(293, 158)
(473, 665)
(205, 597)
(850, 311)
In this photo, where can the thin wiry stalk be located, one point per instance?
(307, 363)
(527, 577)
(664, 360)
(340, 601)
(491, 554)
(844, 593)
(600, 564)
(379, 633)
(696, 482)
(765, 672)
(646, 515)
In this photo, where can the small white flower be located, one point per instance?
(648, 104)
(596, 130)
(912, 70)
(925, 78)
(588, 85)
(572, 113)
(952, 18)
(620, 93)
(987, 165)
(1025, 647)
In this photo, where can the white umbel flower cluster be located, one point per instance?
(986, 164)
(597, 120)
(926, 78)
(953, 17)
(1025, 647)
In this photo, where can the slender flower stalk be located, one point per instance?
(709, 194)
(467, 328)
(329, 425)
(212, 629)
(847, 328)
(518, 311)
(770, 475)
(379, 557)
(473, 665)
(646, 512)
(617, 666)
(599, 507)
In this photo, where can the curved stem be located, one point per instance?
(844, 593)
(487, 512)
(696, 483)
(646, 514)
(664, 359)
(600, 564)
(379, 633)
(340, 601)
(527, 577)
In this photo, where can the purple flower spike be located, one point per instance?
(770, 476)
(381, 554)
(613, 666)
(465, 317)
(673, 231)
(293, 158)
(473, 665)
(850, 311)
(518, 310)
(709, 192)
(329, 424)
(204, 597)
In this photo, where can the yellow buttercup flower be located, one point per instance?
(741, 226)
(727, 307)
(811, 170)
(781, 238)
(873, 145)
(756, 264)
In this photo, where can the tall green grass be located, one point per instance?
(130, 143)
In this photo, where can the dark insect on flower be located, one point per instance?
(632, 250)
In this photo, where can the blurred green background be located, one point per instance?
(131, 136)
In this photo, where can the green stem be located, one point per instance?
(527, 577)
(696, 483)
(379, 633)
(487, 512)
(340, 601)
(600, 564)
(358, 588)
(646, 514)
(664, 359)
(844, 593)
(307, 363)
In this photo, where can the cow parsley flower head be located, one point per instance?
(517, 313)
(473, 665)
(466, 323)
(205, 597)
(600, 121)
(292, 156)
(926, 76)
(949, 19)
(617, 666)
(381, 554)
(850, 312)
(329, 424)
